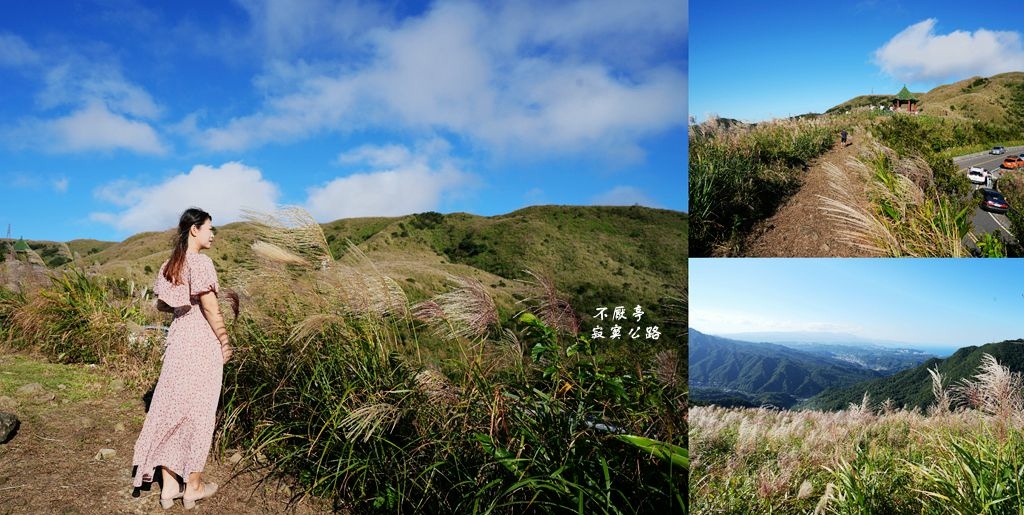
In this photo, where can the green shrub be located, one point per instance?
(739, 178)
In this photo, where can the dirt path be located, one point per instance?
(800, 228)
(73, 411)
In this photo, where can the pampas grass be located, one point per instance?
(866, 460)
(466, 312)
(552, 307)
(367, 421)
(292, 230)
(942, 398)
(277, 254)
(994, 390)
(893, 216)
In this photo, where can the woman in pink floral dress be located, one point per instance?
(178, 431)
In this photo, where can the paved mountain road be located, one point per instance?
(984, 221)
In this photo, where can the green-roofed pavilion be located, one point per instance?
(904, 97)
(21, 245)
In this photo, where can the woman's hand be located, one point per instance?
(226, 351)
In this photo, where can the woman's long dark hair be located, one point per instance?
(191, 216)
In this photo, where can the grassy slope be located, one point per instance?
(596, 255)
(987, 99)
(913, 387)
(759, 368)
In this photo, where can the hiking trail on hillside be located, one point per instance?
(800, 228)
(69, 413)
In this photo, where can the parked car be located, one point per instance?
(977, 175)
(992, 200)
(1013, 162)
(998, 150)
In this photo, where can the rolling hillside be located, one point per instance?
(913, 387)
(998, 99)
(596, 255)
(719, 365)
(880, 359)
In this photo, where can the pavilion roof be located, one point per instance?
(905, 94)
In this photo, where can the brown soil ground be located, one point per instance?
(800, 228)
(50, 465)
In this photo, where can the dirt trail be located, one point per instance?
(51, 465)
(800, 228)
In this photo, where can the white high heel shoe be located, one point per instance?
(167, 504)
(208, 490)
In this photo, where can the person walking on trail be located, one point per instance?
(178, 432)
(842, 136)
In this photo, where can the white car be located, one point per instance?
(977, 175)
(997, 150)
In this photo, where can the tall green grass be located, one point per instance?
(346, 411)
(870, 458)
(738, 177)
(384, 407)
(78, 319)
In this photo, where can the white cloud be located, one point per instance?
(623, 196)
(76, 82)
(15, 52)
(729, 322)
(492, 75)
(96, 128)
(224, 192)
(376, 155)
(400, 182)
(286, 27)
(625, 33)
(107, 111)
(61, 185)
(121, 192)
(20, 180)
(919, 54)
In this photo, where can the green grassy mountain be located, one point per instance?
(998, 99)
(874, 357)
(718, 365)
(913, 387)
(597, 256)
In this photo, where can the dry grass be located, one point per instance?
(667, 367)
(883, 209)
(370, 420)
(276, 254)
(752, 459)
(994, 390)
(291, 237)
(942, 398)
(552, 308)
(466, 312)
(294, 230)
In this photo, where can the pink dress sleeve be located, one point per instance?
(202, 277)
(173, 295)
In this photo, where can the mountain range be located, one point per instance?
(727, 371)
(913, 387)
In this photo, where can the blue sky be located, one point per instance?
(116, 115)
(947, 302)
(759, 60)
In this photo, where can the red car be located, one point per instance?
(1013, 162)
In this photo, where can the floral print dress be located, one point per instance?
(178, 430)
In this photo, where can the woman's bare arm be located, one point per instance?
(211, 310)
